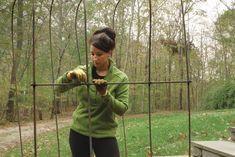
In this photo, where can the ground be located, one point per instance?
(9, 136)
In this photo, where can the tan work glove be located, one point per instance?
(101, 86)
(77, 74)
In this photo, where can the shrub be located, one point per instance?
(220, 97)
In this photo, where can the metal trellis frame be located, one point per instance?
(149, 83)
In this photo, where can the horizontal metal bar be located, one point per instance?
(110, 83)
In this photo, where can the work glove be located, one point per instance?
(77, 74)
(101, 86)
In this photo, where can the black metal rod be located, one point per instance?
(123, 122)
(53, 78)
(88, 85)
(114, 13)
(34, 82)
(111, 83)
(76, 32)
(149, 79)
(188, 84)
(124, 134)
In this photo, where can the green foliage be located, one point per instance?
(220, 96)
(222, 62)
(225, 28)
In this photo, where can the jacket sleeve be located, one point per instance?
(119, 103)
(63, 88)
(64, 79)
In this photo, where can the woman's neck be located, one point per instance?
(102, 71)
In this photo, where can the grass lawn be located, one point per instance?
(169, 134)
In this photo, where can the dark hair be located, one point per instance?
(104, 39)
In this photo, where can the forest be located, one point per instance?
(60, 45)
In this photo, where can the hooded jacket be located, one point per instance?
(103, 109)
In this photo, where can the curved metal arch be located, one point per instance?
(187, 75)
(88, 86)
(76, 31)
(53, 79)
(114, 12)
(123, 119)
(149, 79)
(16, 87)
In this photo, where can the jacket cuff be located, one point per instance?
(107, 97)
(65, 78)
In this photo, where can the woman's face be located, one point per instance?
(99, 58)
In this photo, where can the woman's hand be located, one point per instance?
(77, 74)
(101, 86)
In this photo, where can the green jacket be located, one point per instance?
(103, 109)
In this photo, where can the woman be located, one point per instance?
(105, 101)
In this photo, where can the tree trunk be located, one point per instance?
(16, 61)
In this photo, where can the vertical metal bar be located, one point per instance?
(188, 83)
(76, 32)
(88, 86)
(149, 78)
(15, 81)
(123, 120)
(124, 134)
(34, 82)
(53, 79)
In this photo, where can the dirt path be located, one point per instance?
(9, 136)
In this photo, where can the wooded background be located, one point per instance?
(211, 50)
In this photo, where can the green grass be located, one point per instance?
(169, 134)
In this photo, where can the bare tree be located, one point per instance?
(16, 61)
